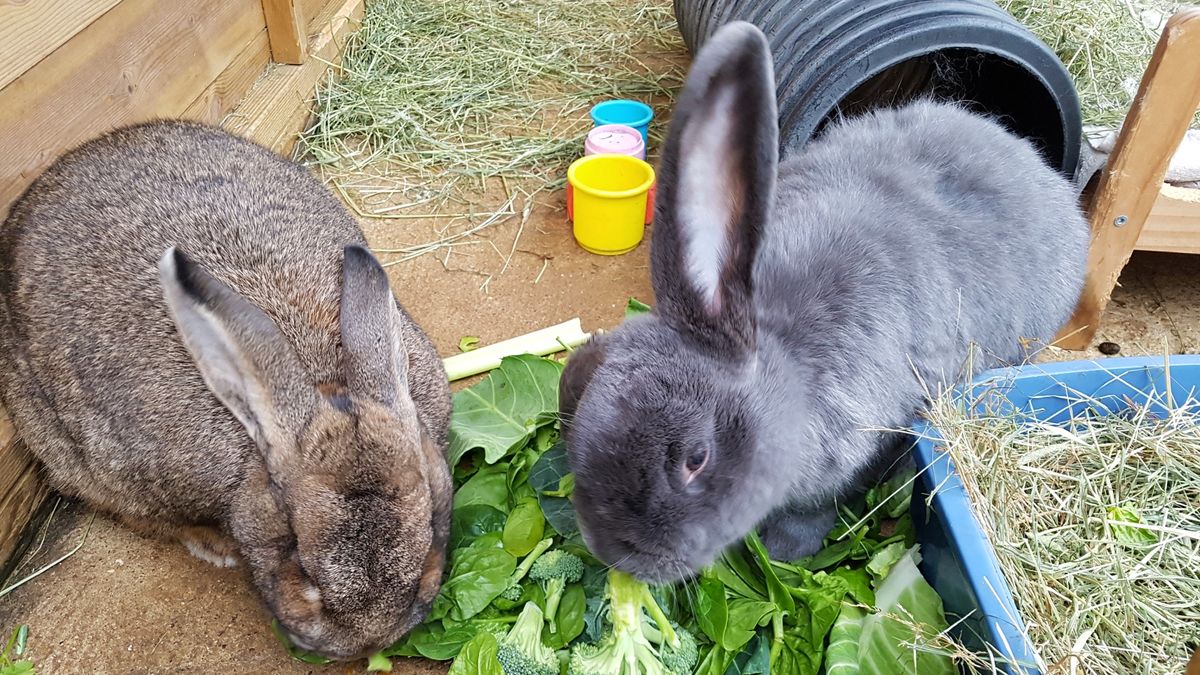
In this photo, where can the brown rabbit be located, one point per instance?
(194, 338)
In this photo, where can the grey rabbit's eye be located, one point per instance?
(694, 462)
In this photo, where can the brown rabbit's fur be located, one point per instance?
(339, 506)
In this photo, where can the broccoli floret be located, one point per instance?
(513, 592)
(681, 658)
(521, 652)
(626, 649)
(554, 571)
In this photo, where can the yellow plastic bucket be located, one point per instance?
(610, 198)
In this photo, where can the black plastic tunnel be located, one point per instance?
(841, 57)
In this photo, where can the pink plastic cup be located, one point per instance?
(616, 139)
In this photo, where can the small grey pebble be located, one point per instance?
(1109, 348)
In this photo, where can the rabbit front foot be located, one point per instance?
(209, 545)
(793, 532)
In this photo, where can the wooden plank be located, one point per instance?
(12, 462)
(18, 505)
(287, 29)
(227, 91)
(317, 12)
(1174, 223)
(278, 107)
(141, 60)
(1166, 102)
(31, 31)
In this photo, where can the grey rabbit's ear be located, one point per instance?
(575, 377)
(241, 354)
(375, 358)
(716, 187)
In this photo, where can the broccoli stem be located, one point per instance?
(554, 593)
(523, 568)
(628, 597)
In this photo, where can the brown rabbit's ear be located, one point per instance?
(376, 360)
(241, 354)
(581, 365)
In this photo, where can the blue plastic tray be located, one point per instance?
(957, 558)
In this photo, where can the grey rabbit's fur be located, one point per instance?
(193, 337)
(801, 308)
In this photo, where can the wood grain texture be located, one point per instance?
(1167, 99)
(276, 110)
(19, 502)
(143, 59)
(1173, 225)
(287, 29)
(227, 91)
(30, 30)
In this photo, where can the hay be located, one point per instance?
(1105, 45)
(454, 92)
(1096, 525)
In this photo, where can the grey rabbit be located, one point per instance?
(194, 338)
(802, 308)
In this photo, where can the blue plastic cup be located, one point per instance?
(621, 111)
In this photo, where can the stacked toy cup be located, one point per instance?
(610, 190)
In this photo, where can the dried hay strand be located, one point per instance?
(1105, 45)
(1095, 523)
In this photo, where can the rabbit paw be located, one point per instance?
(794, 532)
(210, 546)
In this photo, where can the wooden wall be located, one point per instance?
(73, 69)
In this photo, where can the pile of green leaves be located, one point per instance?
(749, 614)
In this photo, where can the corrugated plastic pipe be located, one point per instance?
(840, 57)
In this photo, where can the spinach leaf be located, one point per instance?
(547, 476)
(435, 641)
(501, 413)
(478, 657)
(793, 655)
(471, 522)
(489, 486)
(569, 620)
(754, 659)
(712, 609)
(524, 528)
(858, 584)
(477, 576)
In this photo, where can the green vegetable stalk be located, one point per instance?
(626, 649)
(521, 652)
(554, 570)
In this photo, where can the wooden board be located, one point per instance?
(227, 91)
(1130, 182)
(31, 30)
(287, 29)
(280, 103)
(19, 502)
(1174, 222)
(316, 12)
(142, 59)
